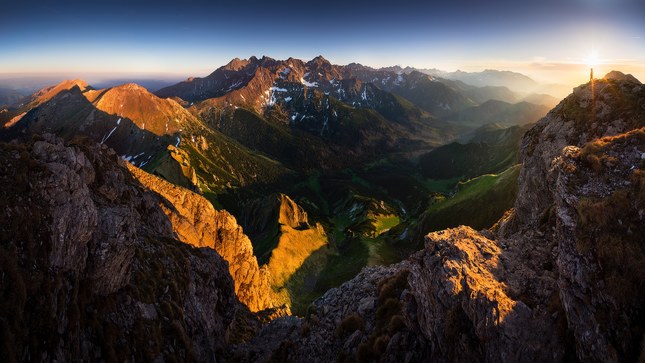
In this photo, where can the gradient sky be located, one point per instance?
(547, 39)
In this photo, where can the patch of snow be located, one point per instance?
(324, 126)
(178, 141)
(287, 99)
(130, 158)
(269, 97)
(118, 122)
(278, 89)
(308, 84)
(233, 86)
(108, 135)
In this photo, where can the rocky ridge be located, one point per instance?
(197, 223)
(150, 132)
(91, 268)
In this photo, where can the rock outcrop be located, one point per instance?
(448, 302)
(90, 268)
(581, 189)
(600, 230)
(197, 223)
(603, 108)
(559, 278)
(285, 237)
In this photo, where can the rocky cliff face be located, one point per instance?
(197, 223)
(559, 278)
(603, 108)
(589, 206)
(91, 269)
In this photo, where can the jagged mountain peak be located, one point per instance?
(236, 64)
(357, 66)
(319, 60)
(396, 69)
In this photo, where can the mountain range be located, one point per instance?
(307, 186)
(338, 143)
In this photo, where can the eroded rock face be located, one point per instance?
(448, 302)
(90, 266)
(603, 108)
(600, 205)
(197, 223)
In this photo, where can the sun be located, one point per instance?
(592, 59)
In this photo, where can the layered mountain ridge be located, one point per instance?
(556, 279)
(275, 131)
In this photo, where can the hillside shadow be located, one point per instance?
(69, 114)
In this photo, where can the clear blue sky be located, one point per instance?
(195, 37)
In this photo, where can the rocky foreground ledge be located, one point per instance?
(92, 270)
